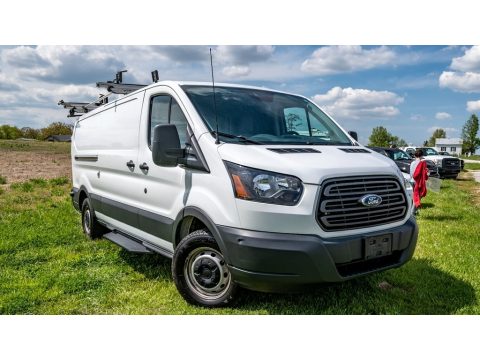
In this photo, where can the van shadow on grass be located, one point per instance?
(416, 288)
(153, 266)
(427, 205)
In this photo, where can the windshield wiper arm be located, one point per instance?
(239, 137)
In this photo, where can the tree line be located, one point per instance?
(56, 128)
(382, 138)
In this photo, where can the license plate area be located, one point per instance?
(378, 246)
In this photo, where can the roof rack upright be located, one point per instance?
(113, 87)
(117, 86)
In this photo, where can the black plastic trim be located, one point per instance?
(89, 158)
(274, 261)
(154, 224)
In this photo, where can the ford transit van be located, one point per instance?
(240, 186)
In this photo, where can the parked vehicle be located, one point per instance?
(240, 186)
(444, 153)
(403, 160)
(448, 166)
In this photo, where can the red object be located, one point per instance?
(420, 176)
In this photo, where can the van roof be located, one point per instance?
(173, 83)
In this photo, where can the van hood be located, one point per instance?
(310, 167)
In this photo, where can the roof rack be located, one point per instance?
(113, 87)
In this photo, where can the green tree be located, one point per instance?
(437, 134)
(469, 135)
(29, 133)
(10, 132)
(398, 142)
(381, 137)
(56, 128)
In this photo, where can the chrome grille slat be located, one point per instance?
(339, 207)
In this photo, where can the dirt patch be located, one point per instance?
(470, 186)
(18, 166)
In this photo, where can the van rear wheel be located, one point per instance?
(91, 227)
(201, 273)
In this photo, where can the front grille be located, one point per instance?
(340, 207)
(451, 163)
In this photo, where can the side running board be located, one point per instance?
(127, 243)
(135, 245)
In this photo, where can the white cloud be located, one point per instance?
(442, 116)
(417, 117)
(464, 82)
(243, 55)
(7, 83)
(351, 103)
(337, 59)
(236, 71)
(466, 74)
(448, 130)
(473, 106)
(470, 61)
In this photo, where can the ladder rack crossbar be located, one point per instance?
(113, 87)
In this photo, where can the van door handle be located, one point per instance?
(144, 167)
(131, 165)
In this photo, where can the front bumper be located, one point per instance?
(275, 262)
(448, 171)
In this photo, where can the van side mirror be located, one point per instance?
(353, 134)
(166, 150)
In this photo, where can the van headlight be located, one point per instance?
(264, 186)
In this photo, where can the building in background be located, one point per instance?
(453, 146)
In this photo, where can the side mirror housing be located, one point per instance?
(353, 134)
(166, 150)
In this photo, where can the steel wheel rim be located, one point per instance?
(206, 273)
(86, 221)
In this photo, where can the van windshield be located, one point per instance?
(264, 117)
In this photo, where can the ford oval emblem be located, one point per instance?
(371, 200)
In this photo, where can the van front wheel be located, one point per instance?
(200, 271)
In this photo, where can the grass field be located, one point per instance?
(472, 157)
(472, 166)
(49, 267)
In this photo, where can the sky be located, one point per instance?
(410, 90)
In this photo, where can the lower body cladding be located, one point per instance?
(274, 262)
(277, 262)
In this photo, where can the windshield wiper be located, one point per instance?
(239, 137)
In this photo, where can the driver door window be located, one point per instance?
(165, 110)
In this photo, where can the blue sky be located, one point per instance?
(410, 90)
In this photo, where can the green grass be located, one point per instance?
(3, 180)
(35, 146)
(472, 166)
(47, 266)
(472, 157)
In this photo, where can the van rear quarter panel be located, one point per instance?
(112, 135)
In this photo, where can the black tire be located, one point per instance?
(90, 226)
(200, 272)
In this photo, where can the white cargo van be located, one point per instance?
(241, 187)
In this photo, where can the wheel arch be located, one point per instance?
(189, 220)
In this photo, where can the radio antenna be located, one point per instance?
(214, 99)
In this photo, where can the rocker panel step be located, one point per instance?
(127, 243)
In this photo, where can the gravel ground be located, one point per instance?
(17, 166)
